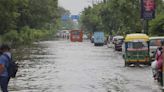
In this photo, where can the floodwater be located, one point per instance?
(64, 66)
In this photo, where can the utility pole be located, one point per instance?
(145, 28)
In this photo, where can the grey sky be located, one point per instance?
(75, 6)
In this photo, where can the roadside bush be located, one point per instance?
(25, 36)
(11, 37)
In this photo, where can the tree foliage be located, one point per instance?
(15, 14)
(8, 15)
(28, 20)
(157, 26)
(90, 19)
(116, 16)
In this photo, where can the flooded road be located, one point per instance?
(62, 66)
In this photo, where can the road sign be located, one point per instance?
(65, 17)
(75, 17)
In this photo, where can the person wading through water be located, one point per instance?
(4, 63)
(159, 62)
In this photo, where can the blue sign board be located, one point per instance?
(65, 17)
(75, 17)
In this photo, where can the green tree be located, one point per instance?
(8, 15)
(157, 26)
(91, 20)
(22, 19)
(116, 16)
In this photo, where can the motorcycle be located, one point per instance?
(157, 74)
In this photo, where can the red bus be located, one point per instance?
(76, 35)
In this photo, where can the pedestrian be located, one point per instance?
(160, 59)
(159, 56)
(4, 63)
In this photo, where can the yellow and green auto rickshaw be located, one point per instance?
(136, 49)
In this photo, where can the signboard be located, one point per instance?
(65, 17)
(147, 9)
(75, 17)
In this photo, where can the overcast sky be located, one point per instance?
(75, 6)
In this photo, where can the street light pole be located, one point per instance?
(147, 27)
(145, 24)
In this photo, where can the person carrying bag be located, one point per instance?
(4, 63)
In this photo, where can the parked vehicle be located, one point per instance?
(76, 35)
(154, 42)
(118, 41)
(99, 38)
(136, 49)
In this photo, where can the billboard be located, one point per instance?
(147, 9)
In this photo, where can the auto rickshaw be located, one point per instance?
(136, 49)
(154, 43)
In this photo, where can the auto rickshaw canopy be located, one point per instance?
(158, 37)
(137, 36)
